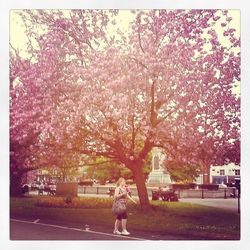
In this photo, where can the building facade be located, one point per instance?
(224, 174)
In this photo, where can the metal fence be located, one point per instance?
(185, 193)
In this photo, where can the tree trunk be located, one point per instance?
(16, 184)
(141, 187)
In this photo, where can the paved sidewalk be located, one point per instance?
(228, 204)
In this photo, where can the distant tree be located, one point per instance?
(102, 169)
(182, 172)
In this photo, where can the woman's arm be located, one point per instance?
(117, 195)
(131, 198)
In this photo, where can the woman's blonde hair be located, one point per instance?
(121, 179)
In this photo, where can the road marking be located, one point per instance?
(35, 221)
(121, 236)
(78, 229)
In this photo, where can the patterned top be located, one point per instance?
(123, 197)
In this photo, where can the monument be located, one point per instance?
(159, 174)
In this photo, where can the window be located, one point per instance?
(237, 172)
(222, 172)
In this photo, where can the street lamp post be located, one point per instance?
(237, 185)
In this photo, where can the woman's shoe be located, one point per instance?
(125, 232)
(117, 232)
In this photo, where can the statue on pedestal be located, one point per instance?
(158, 175)
(156, 165)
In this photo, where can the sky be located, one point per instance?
(18, 38)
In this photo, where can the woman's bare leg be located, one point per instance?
(117, 224)
(124, 224)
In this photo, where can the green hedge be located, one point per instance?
(76, 202)
(209, 186)
(183, 186)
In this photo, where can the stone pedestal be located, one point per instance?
(158, 175)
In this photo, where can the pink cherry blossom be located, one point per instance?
(156, 87)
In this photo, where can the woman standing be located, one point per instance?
(121, 193)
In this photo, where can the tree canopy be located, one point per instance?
(167, 81)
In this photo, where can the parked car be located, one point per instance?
(25, 188)
(165, 195)
(222, 185)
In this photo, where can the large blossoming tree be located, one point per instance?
(164, 82)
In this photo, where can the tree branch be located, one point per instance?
(140, 44)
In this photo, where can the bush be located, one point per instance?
(130, 182)
(75, 202)
(102, 182)
(183, 186)
(209, 186)
(86, 183)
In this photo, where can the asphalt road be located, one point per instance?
(35, 229)
(28, 230)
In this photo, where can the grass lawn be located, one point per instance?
(165, 218)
